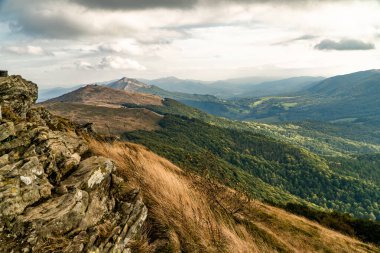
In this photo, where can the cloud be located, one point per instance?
(25, 50)
(300, 38)
(137, 4)
(344, 45)
(182, 4)
(84, 65)
(126, 46)
(110, 63)
(116, 62)
(63, 20)
(305, 37)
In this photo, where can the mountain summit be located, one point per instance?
(128, 84)
(106, 96)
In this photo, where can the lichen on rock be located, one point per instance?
(54, 195)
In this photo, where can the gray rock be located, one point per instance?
(52, 200)
(7, 129)
(17, 94)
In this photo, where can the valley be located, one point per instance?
(190, 126)
(268, 161)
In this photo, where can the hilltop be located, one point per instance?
(102, 107)
(105, 96)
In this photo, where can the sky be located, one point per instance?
(68, 42)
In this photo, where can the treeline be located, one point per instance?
(266, 168)
(365, 230)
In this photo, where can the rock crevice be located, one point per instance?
(54, 195)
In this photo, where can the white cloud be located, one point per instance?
(125, 46)
(116, 62)
(185, 42)
(110, 63)
(84, 65)
(25, 50)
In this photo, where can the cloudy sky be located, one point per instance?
(66, 42)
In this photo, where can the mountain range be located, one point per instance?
(319, 159)
(177, 134)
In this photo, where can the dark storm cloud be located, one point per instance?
(50, 27)
(345, 44)
(46, 21)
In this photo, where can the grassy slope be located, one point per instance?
(184, 216)
(225, 152)
(107, 120)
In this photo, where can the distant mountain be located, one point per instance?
(103, 106)
(185, 86)
(231, 88)
(208, 103)
(346, 98)
(45, 94)
(128, 84)
(284, 86)
(49, 93)
(265, 168)
(355, 85)
(176, 88)
(101, 95)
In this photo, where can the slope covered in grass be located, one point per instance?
(184, 216)
(240, 158)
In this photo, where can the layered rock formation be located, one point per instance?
(55, 196)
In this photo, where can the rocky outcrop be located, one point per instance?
(18, 98)
(55, 196)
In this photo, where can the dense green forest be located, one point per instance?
(319, 137)
(243, 159)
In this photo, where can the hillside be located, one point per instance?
(190, 214)
(325, 139)
(268, 173)
(359, 84)
(105, 96)
(56, 195)
(106, 120)
(102, 107)
(265, 168)
(235, 88)
(64, 191)
(351, 98)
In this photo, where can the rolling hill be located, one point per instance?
(234, 88)
(65, 190)
(240, 156)
(101, 95)
(348, 98)
(261, 169)
(102, 106)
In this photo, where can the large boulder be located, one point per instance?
(55, 196)
(17, 94)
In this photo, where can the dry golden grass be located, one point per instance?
(106, 120)
(105, 96)
(183, 216)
